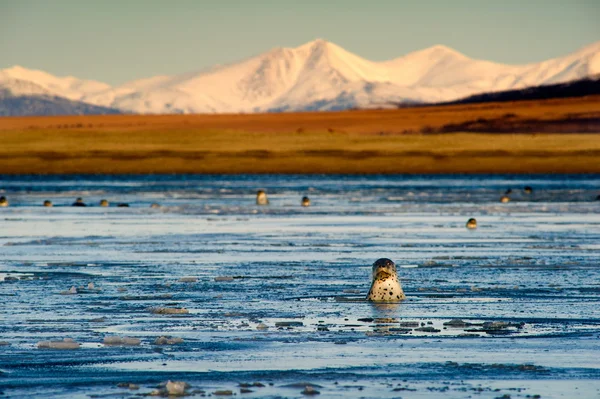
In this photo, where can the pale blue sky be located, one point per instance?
(119, 40)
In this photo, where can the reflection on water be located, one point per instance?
(276, 294)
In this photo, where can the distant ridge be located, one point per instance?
(577, 88)
(317, 76)
(43, 105)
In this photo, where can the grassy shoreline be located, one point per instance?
(218, 152)
(354, 142)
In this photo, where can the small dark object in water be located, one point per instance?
(598, 197)
(3, 201)
(48, 203)
(504, 199)
(104, 202)
(528, 190)
(509, 191)
(78, 202)
(305, 201)
(472, 223)
(123, 205)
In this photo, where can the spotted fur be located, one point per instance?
(386, 285)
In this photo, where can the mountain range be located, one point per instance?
(318, 75)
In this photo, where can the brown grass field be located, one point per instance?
(544, 138)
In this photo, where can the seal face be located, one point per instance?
(386, 286)
(103, 202)
(261, 198)
(3, 201)
(305, 201)
(472, 223)
(504, 199)
(48, 203)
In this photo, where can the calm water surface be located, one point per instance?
(275, 294)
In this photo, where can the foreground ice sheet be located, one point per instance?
(273, 295)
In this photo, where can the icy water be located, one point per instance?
(275, 294)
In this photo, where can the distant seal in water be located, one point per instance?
(48, 203)
(305, 201)
(78, 202)
(3, 201)
(261, 198)
(509, 191)
(386, 286)
(123, 205)
(472, 223)
(504, 199)
(528, 190)
(104, 202)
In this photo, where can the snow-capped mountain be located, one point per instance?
(315, 76)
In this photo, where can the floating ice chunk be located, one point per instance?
(121, 341)
(167, 340)
(262, 326)
(66, 343)
(172, 388)
(128, 385)
(224, 278)
(70, 291)
(169, 310)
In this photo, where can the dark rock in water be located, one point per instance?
(310, 391)
(428, 329)
(457, 323)
(123, 205)
(78, 202)
(289, 324)
(223, 392)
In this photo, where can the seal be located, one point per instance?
(504, 199)
(528, 190)
(472, 223)
(3, 201)
(305, 201)
(78, 202)
(386, 285)
(48, 203)
(261, 198)
(104, 202)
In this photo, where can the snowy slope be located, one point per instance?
(315, 76)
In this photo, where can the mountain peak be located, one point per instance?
(438, 51)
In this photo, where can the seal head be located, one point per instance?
(386, 285)
(3, 201)
(472, 223)
(261, 198)
(305, 201)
